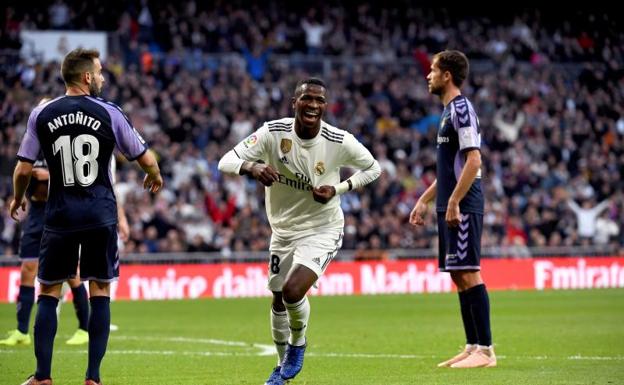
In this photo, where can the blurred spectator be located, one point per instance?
(59, 14)
(180, 72)
(606, 229)
(586, 216)
(314, 31)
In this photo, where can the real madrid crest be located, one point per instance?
(285, 145)
(319, 169)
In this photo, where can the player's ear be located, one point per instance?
(293, 102)
(87, 77)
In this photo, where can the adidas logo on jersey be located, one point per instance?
(284, 160)
(317, 260)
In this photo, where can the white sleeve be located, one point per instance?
(603, 205)
(357, 156)
(574, 206)
(251, 149)
(230, 163)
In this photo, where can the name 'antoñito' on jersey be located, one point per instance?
(77, 135)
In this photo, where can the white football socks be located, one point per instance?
(298, 316)
(280, 332)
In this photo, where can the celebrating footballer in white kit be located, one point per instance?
(298, 160)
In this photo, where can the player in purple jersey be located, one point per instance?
(459, 205)
(30, 240)
(77, 133)
(29, 253)
(32, 229)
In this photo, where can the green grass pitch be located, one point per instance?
(552, 337)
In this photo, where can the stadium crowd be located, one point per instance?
(197, 78)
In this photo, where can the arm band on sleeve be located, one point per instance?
(230, 163)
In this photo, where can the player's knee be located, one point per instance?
(278, 304)
(74, 282)
(29, 272)
(99, 289)
(464, 280)
(291, 293)
(53, 290)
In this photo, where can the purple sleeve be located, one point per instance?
(466, 124)
(128, 139)
(30, 147)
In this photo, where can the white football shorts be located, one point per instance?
(314, 251)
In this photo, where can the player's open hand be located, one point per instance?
(417, 216)
(123, 228)
(264, 173)
(323, 194)
(14, 207)
(153, 182)
(453, 216)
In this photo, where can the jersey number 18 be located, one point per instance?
(77, 164)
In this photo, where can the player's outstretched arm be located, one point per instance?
(21, 178)
(153, 180)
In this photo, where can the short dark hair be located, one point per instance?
(77, 62)
(454, 62)
(315, 81)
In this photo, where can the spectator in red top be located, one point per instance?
(220, 209)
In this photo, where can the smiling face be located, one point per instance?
(309, 104)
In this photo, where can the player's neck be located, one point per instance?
(449, 95)
(306, 133)
(76, 91)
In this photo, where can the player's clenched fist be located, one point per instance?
(264, 173)
(323, 194)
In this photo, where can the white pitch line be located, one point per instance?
(210, 341)
(265, 350)
(415, 356)
(313, 354)
(150, 353)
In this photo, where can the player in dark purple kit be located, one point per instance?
(77, 133)
(459, 205)
(30, 240)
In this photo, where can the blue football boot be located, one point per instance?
(275, 378)
(293, 361)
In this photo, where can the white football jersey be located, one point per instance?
(301, 165)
